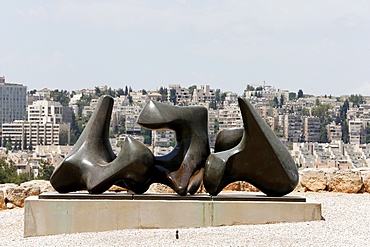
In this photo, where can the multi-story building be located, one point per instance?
(334, 132)
(12, 101)
(356, 131)
(44, 111)
(230, 117)
(26, 135)
(293, 127)
(204, 94)
(182, 94)
(164, 138)
(311, 129)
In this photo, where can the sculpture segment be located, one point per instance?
(182, 168)
(92, 165)
(260, 159)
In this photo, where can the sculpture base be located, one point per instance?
(53, 213)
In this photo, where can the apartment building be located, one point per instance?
(334, 132)
(356, 131)
(45, 111)
(204, 94)
(293, 126)
(182, 94)
(12, 101)
(26, 135)
(230, 117)
(311, 129)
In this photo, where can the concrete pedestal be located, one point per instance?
(71, 213)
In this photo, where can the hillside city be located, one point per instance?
(39, 127)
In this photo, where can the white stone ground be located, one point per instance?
(347, 223)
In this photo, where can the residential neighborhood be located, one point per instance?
(41, 125)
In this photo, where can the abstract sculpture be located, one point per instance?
(259, 158)
(182, 168)
(92, 165)
(253, 154)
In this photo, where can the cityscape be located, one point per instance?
(40, 126)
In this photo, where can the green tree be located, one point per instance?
(45, 170)
(163, 91)
(356, 100)
(173, 96)
(275, 102)
(191, 89)
(367, 132)
(60, 96)
(292, 96)
(281, 101)
(147, 136)
(300, 94)
(305, 111)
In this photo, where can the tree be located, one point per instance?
(173, 96)
(345, 132)
(191, 89)
(147, 136)
(126, 91)
(300, 94)
(144, 92)
(250, 88)
(45, 170)
(275, 102)
(305, 111)
(120, 92)
(292, 96)
(60, 96)
(356, 100)
(163, 91)
(281, 101)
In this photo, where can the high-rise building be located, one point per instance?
(12, 101)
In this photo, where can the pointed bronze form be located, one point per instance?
(260, 159)
(91, 165)
(182, 168)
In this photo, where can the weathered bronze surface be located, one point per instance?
(253, 154)
(182, 168)
(260, 159)
(92, 165)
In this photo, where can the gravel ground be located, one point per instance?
(347, 223)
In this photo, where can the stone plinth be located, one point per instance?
(54, 213)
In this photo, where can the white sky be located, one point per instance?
(321, 47)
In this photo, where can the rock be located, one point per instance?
(245, 186)
(2, 200)
(115, 188)
(10, 205)
(16, 195)
(44, 185)
(346, 181)
(160, 188)
(366, 180)
(235, 186)
(313, 180)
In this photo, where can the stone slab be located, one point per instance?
(156, 196)
(58, 216)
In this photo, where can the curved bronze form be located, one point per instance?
(92, 165)
(260, 159)
(227, 139)
(182, 168)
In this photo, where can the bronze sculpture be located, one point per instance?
(253, 154)
(182, 168)
(92, 165)
(259, 158)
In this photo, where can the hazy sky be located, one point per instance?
(321, 47)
